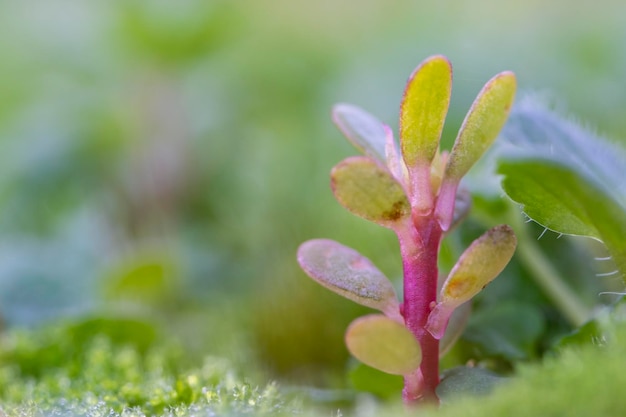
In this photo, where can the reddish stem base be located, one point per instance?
(420, 247)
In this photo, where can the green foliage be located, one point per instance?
(144, 279)
(510, 330)
(566, 179)
(176, 36)
(464, 380)
(381, 384)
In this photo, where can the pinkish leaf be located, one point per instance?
(363, 130)
(348, 273)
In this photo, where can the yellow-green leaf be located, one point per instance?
(384, 344)
(480, 264)
(348, 273)
(480, 128)
(423, 110)
(368, 190)
(485, 258)
(481, 125)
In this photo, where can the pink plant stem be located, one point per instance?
(419, 247)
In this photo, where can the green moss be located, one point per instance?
(44, 373)
(579, 381)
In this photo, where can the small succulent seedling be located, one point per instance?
(413, 190)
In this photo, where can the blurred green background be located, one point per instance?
(164, 159)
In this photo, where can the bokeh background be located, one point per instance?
(164, 159)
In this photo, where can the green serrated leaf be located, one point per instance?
(539, 186)
(362, 129)
(535, 131)
(368, 190)
(586, 334)
(597, 330)
(567, 178)
(464, 380)
(481, 125)
(423, 110)
(348, 273)
(384, 344)
(566, 201)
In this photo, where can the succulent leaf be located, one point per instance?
(422, 115)
(423, 110)
(348, 273)
(480, 264)
(384, 344)
(363, 130)
(481, 125)
(369, 190)
(480, 128)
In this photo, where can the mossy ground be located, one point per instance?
(579, 381)
(50, 372)
(42, 375)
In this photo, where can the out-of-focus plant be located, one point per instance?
(414, 191)
(566, 178)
